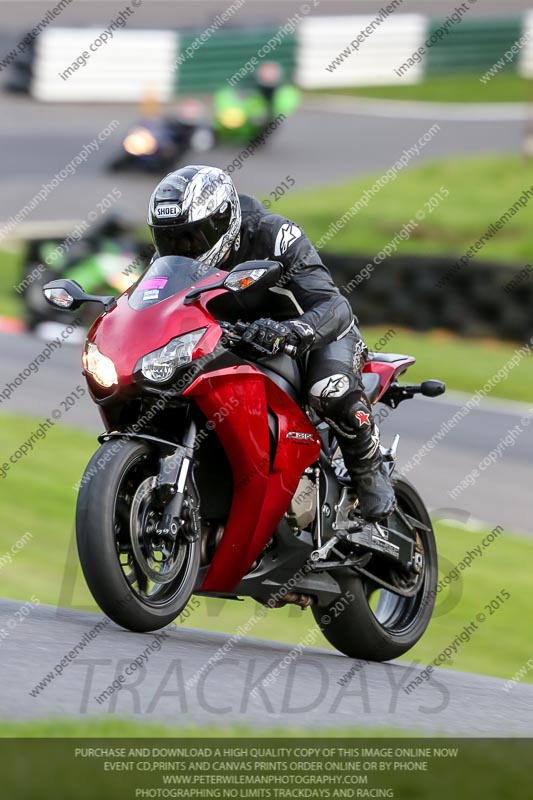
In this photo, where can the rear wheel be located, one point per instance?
(372, 623)
(139, 578)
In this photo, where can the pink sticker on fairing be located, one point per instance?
(153, 283)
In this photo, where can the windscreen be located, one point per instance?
(166, 277)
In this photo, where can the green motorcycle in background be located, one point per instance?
(107, 261)
(241, 117)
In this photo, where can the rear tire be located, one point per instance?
(397, 623)
(103, 533)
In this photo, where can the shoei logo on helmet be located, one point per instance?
(167, 210)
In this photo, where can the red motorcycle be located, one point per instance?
(213, 478)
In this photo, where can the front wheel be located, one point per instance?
(372, 623)
(142, 580)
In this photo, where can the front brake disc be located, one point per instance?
(163, 571)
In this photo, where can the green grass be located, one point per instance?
(481, 190)
(507, 87)
(125, 728)
(463, 364)
(10, 303)
(46, 479)
(497, 647)
(45, 568)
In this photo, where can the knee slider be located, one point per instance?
(350, 414)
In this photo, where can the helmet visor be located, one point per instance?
(191, 239)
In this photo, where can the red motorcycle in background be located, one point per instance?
(214, 479)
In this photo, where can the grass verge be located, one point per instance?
(507, 87)
(124, 728)
(481, 190)
(10, 302)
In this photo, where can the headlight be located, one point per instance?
(99, 366)
(140, 142)
(161, 365)
(232, 118)
(243, 278)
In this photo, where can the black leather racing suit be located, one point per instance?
(334, 365)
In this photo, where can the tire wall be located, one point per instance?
(487, 299)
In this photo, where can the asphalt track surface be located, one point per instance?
(499, 497)
(323, 143)
(176, 686)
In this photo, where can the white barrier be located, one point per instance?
(125, 69)
(525, 63)
(321, 40)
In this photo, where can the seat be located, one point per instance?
(372, 385)
(386, 358)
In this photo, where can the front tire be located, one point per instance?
(385, 630)
(114, 576)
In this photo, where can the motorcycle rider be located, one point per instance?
(196, 212)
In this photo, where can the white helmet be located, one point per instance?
(195, 212)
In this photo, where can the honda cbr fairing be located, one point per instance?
(267, 461)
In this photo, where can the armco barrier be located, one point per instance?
(225, 53)
(318, 53)
(131, 65)
(324, 43)
(526, 59)
(472, 45)
(485, 299)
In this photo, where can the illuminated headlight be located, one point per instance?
(99, 366)
(243, 278)
(161, 365)
(140, 142)
(233, 118)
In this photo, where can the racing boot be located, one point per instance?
(364, 463)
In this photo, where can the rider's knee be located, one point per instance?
(341, 401)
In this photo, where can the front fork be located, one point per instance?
(177, 493)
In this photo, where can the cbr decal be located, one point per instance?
(300, 437)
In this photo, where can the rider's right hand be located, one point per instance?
(292, 337)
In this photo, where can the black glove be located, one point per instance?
(274, 336)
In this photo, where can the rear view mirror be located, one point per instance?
(247, 275)
(69, 295)
(250, 273)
